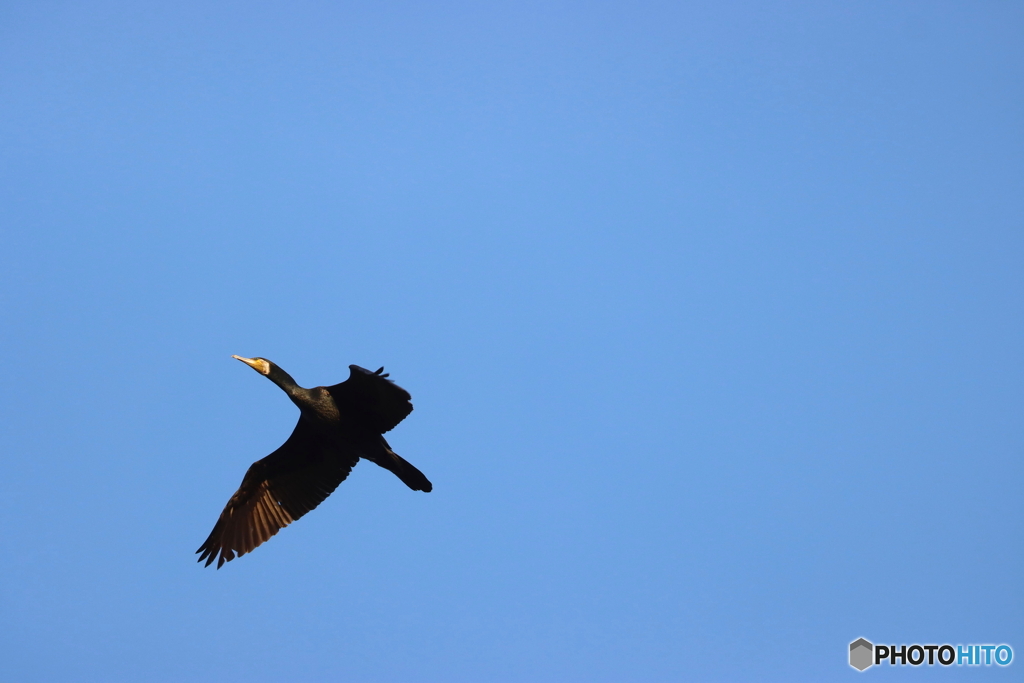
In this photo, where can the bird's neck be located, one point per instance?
(285, 381)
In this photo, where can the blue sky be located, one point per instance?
(711, 313)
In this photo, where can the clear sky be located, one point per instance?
(712, 314)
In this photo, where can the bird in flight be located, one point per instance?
(337, 426)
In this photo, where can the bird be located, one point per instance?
(337, 426)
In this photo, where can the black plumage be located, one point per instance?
(337, 426)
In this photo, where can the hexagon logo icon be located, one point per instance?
(861, 654)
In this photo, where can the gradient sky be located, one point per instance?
(712, 313)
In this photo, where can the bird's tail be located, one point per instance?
(401, 467)
(412, 477)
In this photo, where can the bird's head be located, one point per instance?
(260, 365)
(273, 373)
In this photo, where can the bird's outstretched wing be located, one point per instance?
(371, 400)
(275, 492)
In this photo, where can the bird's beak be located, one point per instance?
(257, 365)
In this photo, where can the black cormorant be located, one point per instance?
(337, 426)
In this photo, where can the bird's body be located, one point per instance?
(337, 426)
